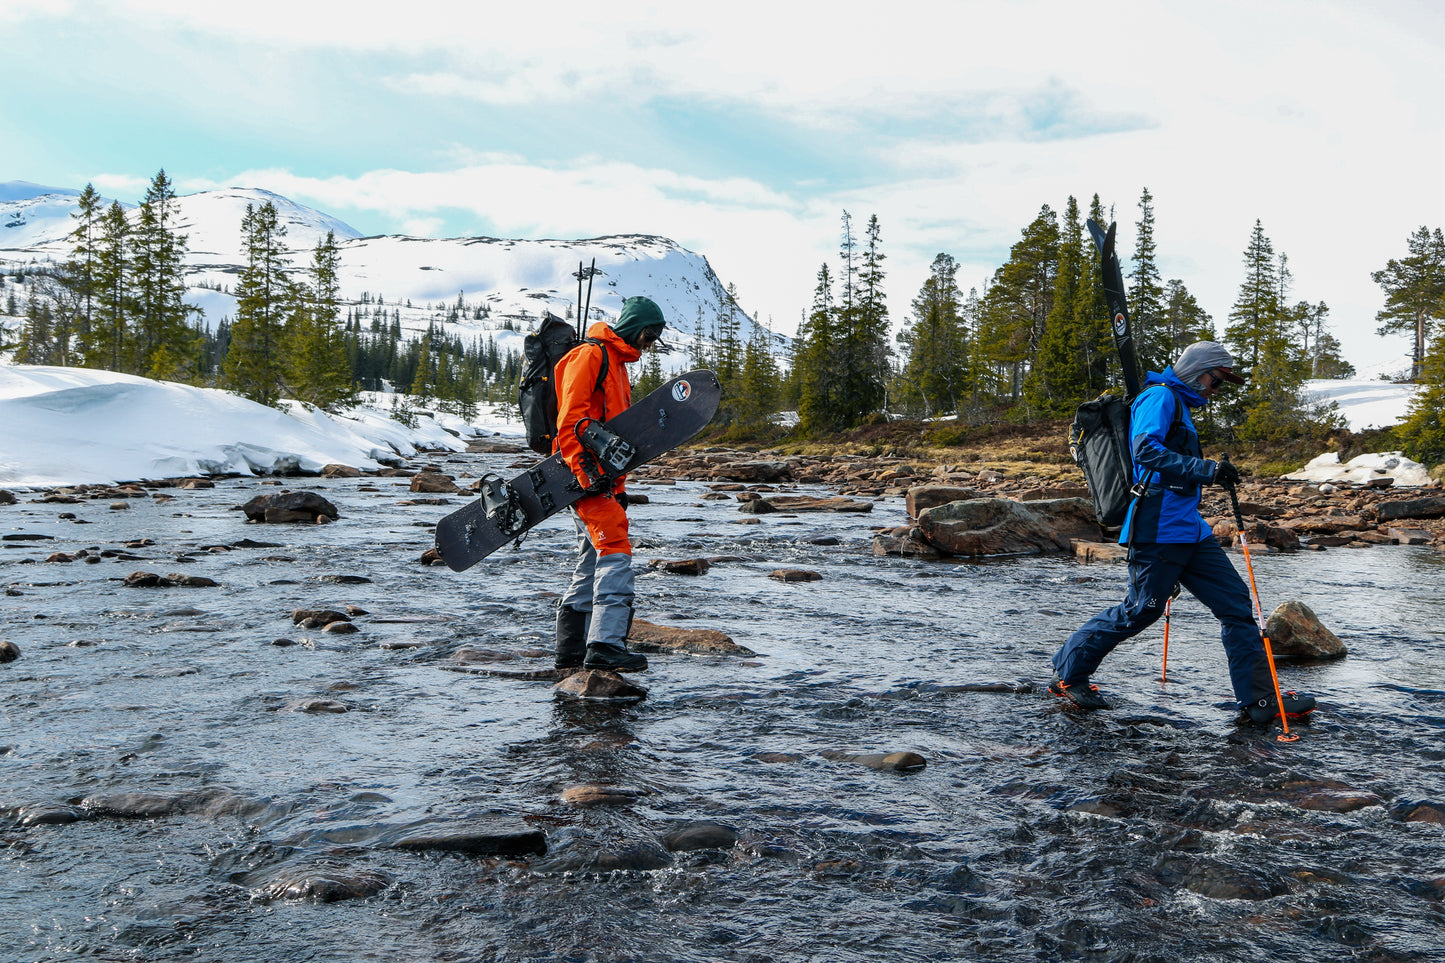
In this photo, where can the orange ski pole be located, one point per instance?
(1259, 616)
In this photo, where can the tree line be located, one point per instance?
(1032, 341)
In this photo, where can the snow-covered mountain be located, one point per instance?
(503, 285)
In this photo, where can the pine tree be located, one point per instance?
(81, 271)
(1146, 296)
(1016, 305)
(1256, 318)
(817, 408)
(935, 366)
(316, 352)
(1422, 433)
(1059, 380)
(254, 366)
(1414, 293)
(1185, 322)
(759, 385)
(109, 345)
(164, 339)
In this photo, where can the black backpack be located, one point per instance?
(1100, 443)
(537, 392)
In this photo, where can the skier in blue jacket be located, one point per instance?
(1171, 545)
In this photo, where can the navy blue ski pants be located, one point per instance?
(1206, 572)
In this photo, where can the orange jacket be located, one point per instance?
(577, 397)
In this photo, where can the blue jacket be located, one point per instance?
(1168, 457)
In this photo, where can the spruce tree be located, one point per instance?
(164, 338)
(109, 345)
(935, 364)
(1414, 293)
(316, 352)
(817, 408)
(254, 365)
(1059, 378)
(89, 218)
(1016, 305)
(1146, 295)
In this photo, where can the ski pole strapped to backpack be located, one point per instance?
(537, 392)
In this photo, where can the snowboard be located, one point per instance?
(506, 510)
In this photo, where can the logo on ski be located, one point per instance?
(1121, 325)
(681, 391)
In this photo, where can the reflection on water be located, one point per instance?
(1153, 832)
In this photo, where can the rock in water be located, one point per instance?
(999, 526)
(1295, 632)
(598, 684)
(897, 761)
(289, 506)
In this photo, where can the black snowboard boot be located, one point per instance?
(571, 637)
(614, 658)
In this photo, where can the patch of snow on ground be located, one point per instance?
(1363, 469)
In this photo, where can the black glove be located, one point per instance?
(1225, 474)
(621, 499)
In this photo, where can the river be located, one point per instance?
(1157, 831)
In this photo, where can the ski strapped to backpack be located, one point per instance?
(1099, 438)
(537, 392)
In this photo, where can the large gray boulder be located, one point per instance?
(1000, 526)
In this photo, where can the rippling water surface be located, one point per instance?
(1157, 831)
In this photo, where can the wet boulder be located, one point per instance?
(598, 684)
(644, 636)
(809, 503)
(289, 507)
(9, 651)
(475, 837)
(588, 796)
(910, 545)
(894, 761)
(795, 575)
(7, 498)
(325, 883)
(434, 483)
(1000, 526)
(682, 566)
(700, 835)
(1295, 632)
(317, 618)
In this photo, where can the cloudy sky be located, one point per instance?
(744, 130)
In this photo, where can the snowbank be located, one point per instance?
(1364, 469)
(62, 426)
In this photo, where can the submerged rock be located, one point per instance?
(475, 837)
(896, 761)
(701, 835)
(323, 882)
(1295, 632)
(597, 795)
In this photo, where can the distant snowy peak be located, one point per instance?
(32, 215)
(25, 190)
(211, 220)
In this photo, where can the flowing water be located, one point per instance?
(1157, 831)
